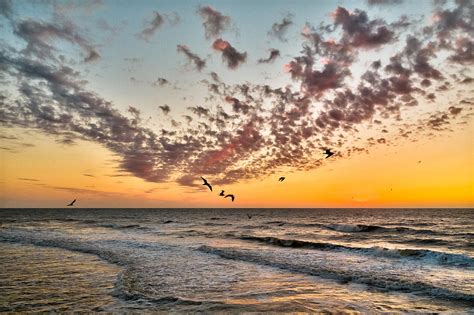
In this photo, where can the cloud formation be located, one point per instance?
(161, 82)
(151, 26)
(165, 108)
(248, 130)
(359, 31)
(39, 37)
(198, 62)
(230, 55)
(214, 22)
(274, 54)
(279, 29)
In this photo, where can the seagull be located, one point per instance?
(222, 193)
(231, 196)
(72, 203)
(206, 183)
(281, 179)
(329, 153)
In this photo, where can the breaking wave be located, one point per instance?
(381, 281)
(426, 255)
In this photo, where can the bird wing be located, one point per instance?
(210, 187)
(205, 181)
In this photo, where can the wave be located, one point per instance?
(354, 228)
(123, 227)
(381, 281)
(124, 253)
(123, 292)
(350, 228)
(362, 228)
(279, 223)
(215, 224)
(426, 255)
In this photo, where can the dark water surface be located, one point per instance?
(281, 260)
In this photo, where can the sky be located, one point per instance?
(128, 103)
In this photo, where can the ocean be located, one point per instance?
(237, 260)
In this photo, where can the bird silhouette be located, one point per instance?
(206, 183)
(231, 196)
(249, 216)
(72, 203)
(222, 193)
(328, 153)
(281, 179)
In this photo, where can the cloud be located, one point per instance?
(438, 121)
(198, 61)
(214, 22)
(420, 58)
(230, 55)
(383, 2)
(6, 8)
(238, 106)
(28, 179)
(165, 108)
(151, 27)
(454, 110)
(359, 31)
(459, 18)
(274, 53)
(39, 35)
(249, 130)
(463, 51)
(63, 8)
(161, 82)
(62, 104)
(453, 29)
(279, 29)
(84, 191)
(8, 137)
(316, 82)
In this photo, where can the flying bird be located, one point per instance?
(231, 196)
(72, 203)
(206, 183)
(281, 179)
(329, 153)
(249, 216)
(222, 193)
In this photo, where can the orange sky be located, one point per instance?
(386, 177)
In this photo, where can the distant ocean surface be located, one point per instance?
(237, 260)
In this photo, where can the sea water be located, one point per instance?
(237, 260)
